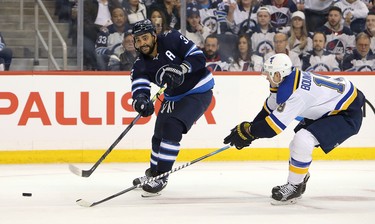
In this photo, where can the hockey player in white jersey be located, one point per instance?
(331, 109)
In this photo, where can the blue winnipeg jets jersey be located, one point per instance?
(172, 48)
(303, 94)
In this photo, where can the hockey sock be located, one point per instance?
(167, 156)
(301, 148)
(155, 153)
(297, 171)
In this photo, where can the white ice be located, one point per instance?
(206, 192)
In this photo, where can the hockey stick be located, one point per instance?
(85, 203)
(87, 173)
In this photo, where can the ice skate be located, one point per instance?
(277, 188)
(142, 179)
(287, 194)
(154, 187)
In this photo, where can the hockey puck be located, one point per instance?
(26, 194)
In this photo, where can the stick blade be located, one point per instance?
(75, 170)
(84, 203)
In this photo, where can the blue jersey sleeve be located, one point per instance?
(191, 55)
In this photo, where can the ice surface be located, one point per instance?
(206, 192)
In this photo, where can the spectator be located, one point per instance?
(281, 11)
(370, 29)
(73, 21)
(63, 10)
(195, 31)
(126, 59)
(318, 59)
(96, 14)
(362, 58)
(340, 39)
(213, 15)
(299, 40)
(280, 41)
(369, 4)
(171, 10)
(110, 38)
(263, 33)
(148, 3)
(158, 19)
(6, 55)
(316, 11)
(244, 59)
(213, 57)
(241, 17)
(135, 10)
(354, 14)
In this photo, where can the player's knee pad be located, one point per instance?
(172, 130)
(302, 145)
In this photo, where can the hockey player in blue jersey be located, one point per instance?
(173, 60)
(331, 109)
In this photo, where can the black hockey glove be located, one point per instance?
(240, 136)
(174, 75)
(143, 105)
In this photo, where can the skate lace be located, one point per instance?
(287, 189)
(155, 183)
(168, 106)
(143, 179)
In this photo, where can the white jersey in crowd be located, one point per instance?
(296, 61)
(320, 63)
(262, 42)
(280, 16)
(217, 65)
(340, 42)
(362, 65)
(296, 46)
(198, 37)
(240, 18)
(355, 62)
(256, 64)
(308, 95)
(358, 9)
(320, 5)
(140, 14)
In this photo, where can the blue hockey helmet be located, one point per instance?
(142, 27)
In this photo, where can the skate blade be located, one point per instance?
(287, 202)
(149, 195)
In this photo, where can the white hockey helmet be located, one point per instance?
(278, 63)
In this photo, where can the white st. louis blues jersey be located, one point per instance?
(304, 94)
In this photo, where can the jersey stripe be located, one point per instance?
(299, 164)
(202, 86)
(141, 84)
(273, 89)
(298, 170)
(296, 80)
(345, 102)
(193, 50)
(266, 108)
(274, 124)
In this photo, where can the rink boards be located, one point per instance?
(75, 116)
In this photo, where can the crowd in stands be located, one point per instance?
(5, 55)
(235, 35)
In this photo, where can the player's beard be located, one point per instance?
(150, 47)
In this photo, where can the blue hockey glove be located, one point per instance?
(174, 75)
(143, 105)
(240, 136)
